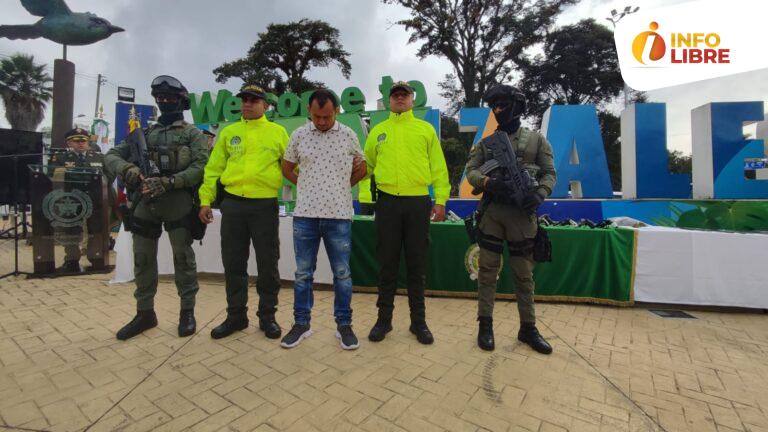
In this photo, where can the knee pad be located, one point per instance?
(490, 243)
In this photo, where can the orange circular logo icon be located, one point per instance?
(658, 46)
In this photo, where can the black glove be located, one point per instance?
(158, 185)
(532, 201)
(132, 175)
(495, 185)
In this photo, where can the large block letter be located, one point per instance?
(720, 148)
(483, 123)
(574, 132)
(644, 159)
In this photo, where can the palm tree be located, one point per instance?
(25, 89)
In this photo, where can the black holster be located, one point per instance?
(191, 221)
(469, 224)
(542, 247)
(374, 191)
(219, 195)
(472, 222)
(196, 226)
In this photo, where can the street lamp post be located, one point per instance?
(614, 19)
(75, 119)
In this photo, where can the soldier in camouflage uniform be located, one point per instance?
(79, 154)
(180, 151)
(504, 222)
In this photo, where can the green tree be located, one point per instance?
(680, 163)
(25, 89)
(579, 66)
(482, 39)
(610, 126)
(282, 56)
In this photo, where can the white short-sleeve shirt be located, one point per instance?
(325, 168)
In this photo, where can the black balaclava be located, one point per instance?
(168, 117)
(170, 112)
(509, 118)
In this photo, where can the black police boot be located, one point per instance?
(234, 322)
(270, 327)
(187, 323)
(144, 320)
(485, 334)
(423, 335)
(71, 266)
(380, 329)
(530, 335)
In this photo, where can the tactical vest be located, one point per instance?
(168, 148)
(526, 150)
(529, 146)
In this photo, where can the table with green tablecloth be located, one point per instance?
(588, 265)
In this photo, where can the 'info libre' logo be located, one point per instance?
(649, 47)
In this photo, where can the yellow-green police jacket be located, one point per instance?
(246, 159)
(404, 154)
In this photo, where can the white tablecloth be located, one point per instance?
(701, 268)
(673, 266)
(208, 255)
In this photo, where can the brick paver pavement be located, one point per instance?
(612, 369)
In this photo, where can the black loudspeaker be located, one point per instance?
(17, 150)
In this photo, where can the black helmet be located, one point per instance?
(503, 94)
(166, 84)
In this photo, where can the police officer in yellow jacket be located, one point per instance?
(404, 155)
(246, 162)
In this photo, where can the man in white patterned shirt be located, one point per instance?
(330, 162)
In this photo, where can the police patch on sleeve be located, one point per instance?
(382, 136)
(235, 140)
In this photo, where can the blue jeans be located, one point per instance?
(337, 237)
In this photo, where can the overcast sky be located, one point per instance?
(189, 39)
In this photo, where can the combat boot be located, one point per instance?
(270, 327)
(71, 266)
(423, 335)
(530, 335)
(144, 320)
(380, 329)
(187, 323)
(485, 334)
(235, 321)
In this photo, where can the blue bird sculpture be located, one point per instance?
(60, 24)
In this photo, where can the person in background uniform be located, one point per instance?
(503, 221)
(79, 154)
(180, 151)
(405, 156)
(246, 162)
